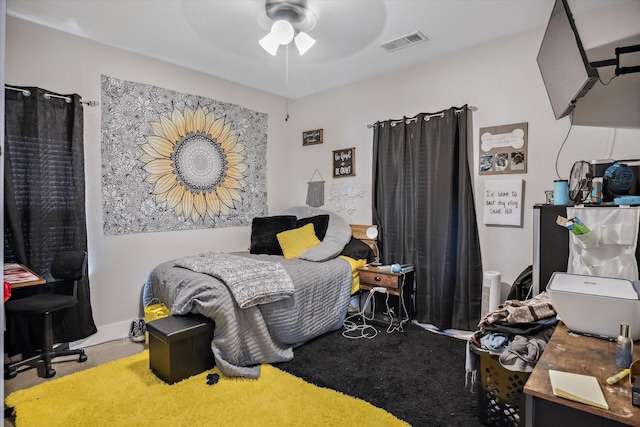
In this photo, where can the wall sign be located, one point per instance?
(344, 162)
(503, 149)
(312, 137)
(345, 196)
(503, 202)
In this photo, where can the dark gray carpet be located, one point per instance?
(416, 375)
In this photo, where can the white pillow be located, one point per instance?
(338, 233)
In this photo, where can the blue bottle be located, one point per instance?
(561, 192)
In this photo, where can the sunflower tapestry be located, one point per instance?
(173, 161)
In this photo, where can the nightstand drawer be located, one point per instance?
(376, 278)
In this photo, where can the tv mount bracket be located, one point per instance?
(616, 61)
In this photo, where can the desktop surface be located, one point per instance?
(579, 354)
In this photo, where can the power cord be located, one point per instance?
(605, 84)
(351, 326)
(403, 320)
(353, 330)
(564, 142)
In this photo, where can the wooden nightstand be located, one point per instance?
(398, 285)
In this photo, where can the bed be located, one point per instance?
(304, 295)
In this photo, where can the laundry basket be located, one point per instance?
(500, 391)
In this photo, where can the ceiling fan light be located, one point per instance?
(304, 42)
(270, 44)
(282, 31)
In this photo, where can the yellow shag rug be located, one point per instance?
(126, 393)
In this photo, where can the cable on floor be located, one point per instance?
(353, 330)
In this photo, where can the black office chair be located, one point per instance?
(67, 266)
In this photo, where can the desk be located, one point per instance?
(20, 276)
(580, 355)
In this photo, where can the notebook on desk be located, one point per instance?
(17, 274)
(580, 388)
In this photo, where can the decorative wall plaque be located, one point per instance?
(312, 137)
(503, 202)
(503, 149)
(344, 162)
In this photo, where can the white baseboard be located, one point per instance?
(114, 331)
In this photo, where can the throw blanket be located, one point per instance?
(531, 310)
(250, 281)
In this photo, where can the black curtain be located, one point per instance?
(44, 203)
(423, 204)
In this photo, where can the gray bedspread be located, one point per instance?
(245, 338)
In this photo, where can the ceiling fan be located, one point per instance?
(291, 21)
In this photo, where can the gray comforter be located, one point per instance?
(266, 333)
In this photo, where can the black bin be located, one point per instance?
(180, 346)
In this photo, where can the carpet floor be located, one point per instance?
(275, 399)
(417, 375)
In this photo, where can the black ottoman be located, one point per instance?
(180, 346)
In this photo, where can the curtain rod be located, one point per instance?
(427, 117)
(67, 99)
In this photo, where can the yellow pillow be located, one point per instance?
(355, 277)
(295, 242)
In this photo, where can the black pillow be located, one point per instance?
(357, 249)
(320, 224)
(264, 230)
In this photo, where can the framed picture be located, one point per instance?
(344, 162)
(312, 137)
(503, 149)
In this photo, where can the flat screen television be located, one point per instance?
(563, 63)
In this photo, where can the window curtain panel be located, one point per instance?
(44, 204)
(423, 205)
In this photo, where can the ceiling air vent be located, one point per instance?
(404, 41)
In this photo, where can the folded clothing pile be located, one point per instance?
(518, 331)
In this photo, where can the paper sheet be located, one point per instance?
(580, 388)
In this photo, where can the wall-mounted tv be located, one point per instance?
(563, 63)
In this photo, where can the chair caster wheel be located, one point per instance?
(82, 358)
(10, 373)
(49, 373)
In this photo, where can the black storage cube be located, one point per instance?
(180, 346)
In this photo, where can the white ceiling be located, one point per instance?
(220, 37)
